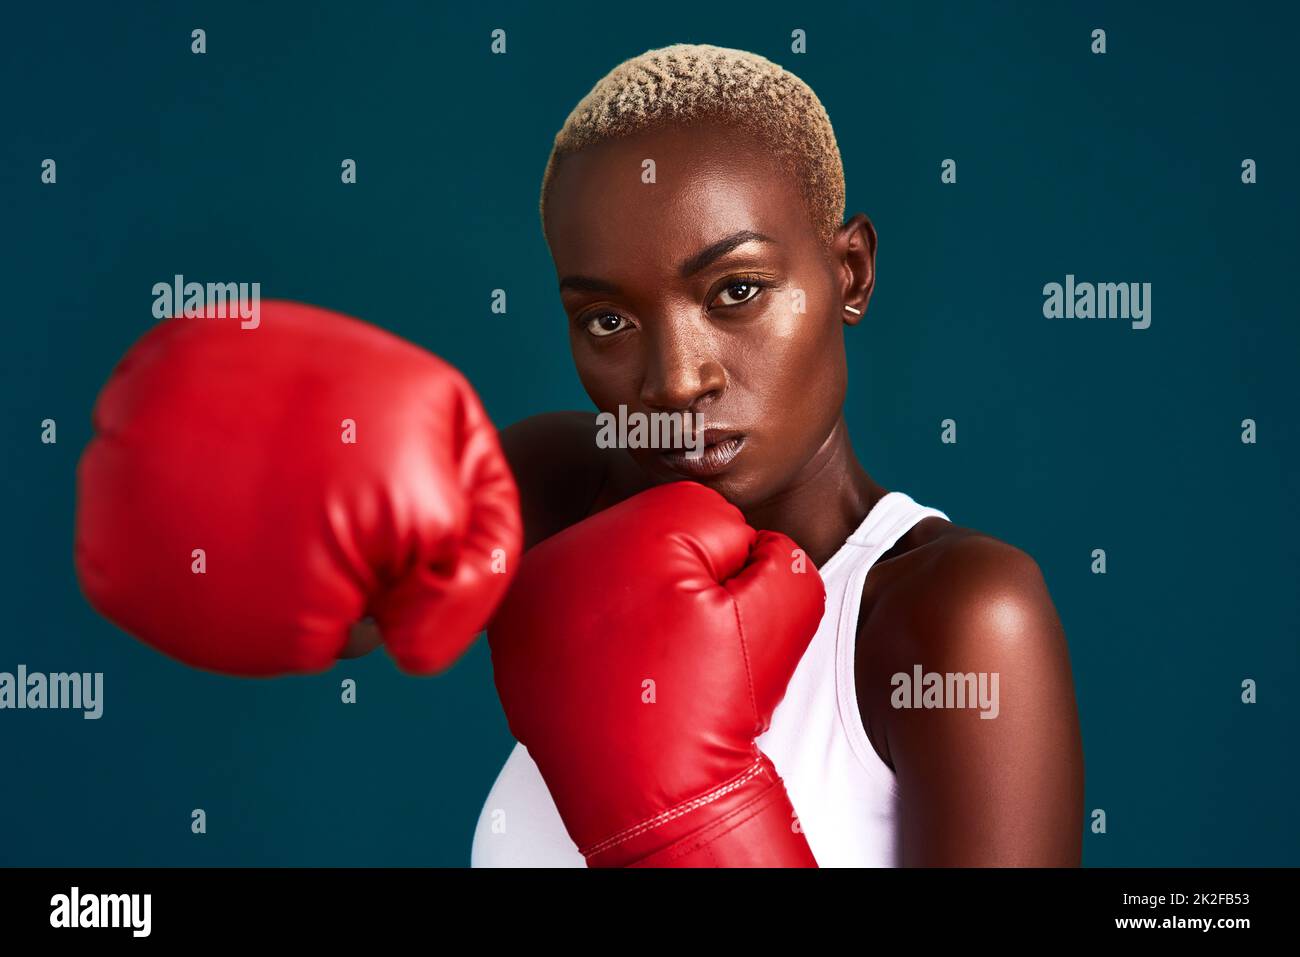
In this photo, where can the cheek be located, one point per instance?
(608, 378)
(804, 363)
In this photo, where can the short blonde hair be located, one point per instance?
(685, 82)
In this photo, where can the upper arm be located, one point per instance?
(990, 791)
(557, 467)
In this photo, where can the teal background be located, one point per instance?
(1073, 435)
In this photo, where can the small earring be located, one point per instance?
(856, 312)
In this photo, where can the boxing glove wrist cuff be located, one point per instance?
(746, 822)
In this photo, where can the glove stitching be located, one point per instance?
(744, 653)
(709, 837)
(675, 812)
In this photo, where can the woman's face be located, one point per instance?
(707, 291)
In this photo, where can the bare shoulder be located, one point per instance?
(961, 629)
(535, 437)
(955, 600)
(961, 580)
(558, 467)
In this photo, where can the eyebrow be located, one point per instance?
(688, 268)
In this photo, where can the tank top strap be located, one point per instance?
(889, 520)
(892, 517)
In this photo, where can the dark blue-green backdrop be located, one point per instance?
(1073, 435)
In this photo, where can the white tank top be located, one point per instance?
(844, 794)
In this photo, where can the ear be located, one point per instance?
(854, 251)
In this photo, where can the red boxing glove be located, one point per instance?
(638, 655)
(252, 493)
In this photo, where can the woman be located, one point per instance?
(693, 205)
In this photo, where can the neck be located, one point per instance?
(827, 500)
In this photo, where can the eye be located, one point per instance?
(740, 291)
(605, 324)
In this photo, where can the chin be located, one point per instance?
(741, 488)
(743, 483)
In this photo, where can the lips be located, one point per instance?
(721, 447)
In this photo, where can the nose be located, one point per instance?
(682, 372)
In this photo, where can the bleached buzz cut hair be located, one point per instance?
(686, 82)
